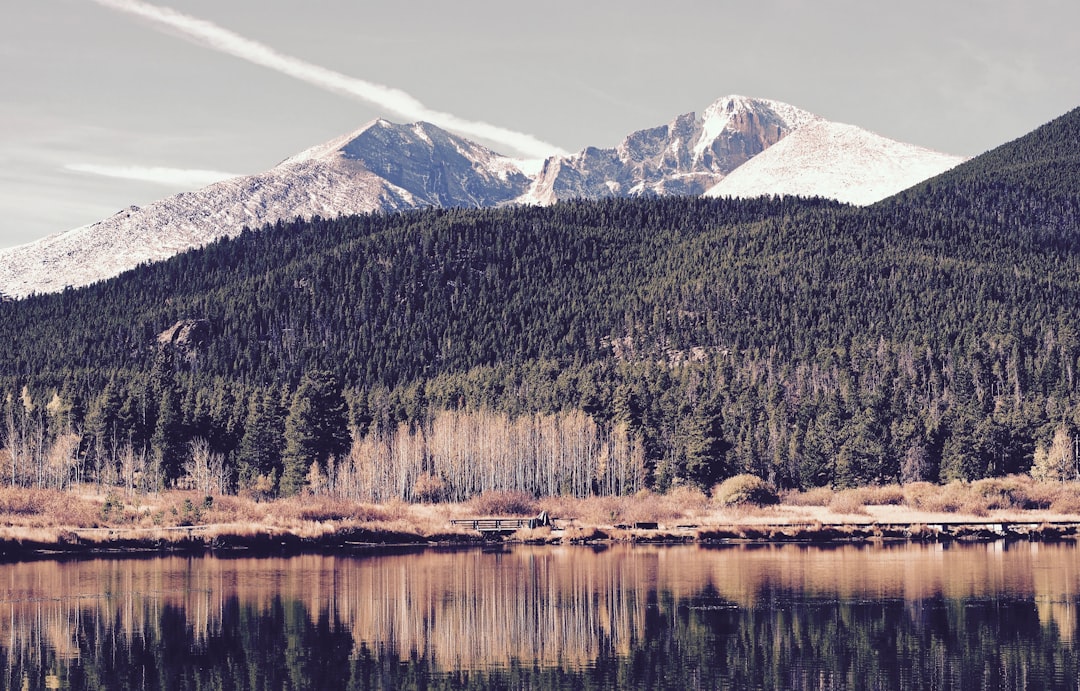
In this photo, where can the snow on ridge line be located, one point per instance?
(838, 161)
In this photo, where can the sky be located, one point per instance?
(106, 104)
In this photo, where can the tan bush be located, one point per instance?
(926, 496)
(230, 509)
(973, 506)
(593, 510)
(815, 496)
(979, 498)
(687, 498)
(1041, 495)
(1067, 501)
(744, 489)
(648, 507)
(645, 506)
(48, 507)
(429, 489)
(23, 502)
(1001, 493)
(321, 509)
(502, 503)
(881, 495)
(848, 501)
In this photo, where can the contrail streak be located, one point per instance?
(174, 177)
(213, 36)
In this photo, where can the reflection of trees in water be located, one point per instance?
(645, 618)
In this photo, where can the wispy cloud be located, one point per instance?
(173, 177)
(395, 100)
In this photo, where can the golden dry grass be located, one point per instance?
(49, 516)
(1012, 494)
(679, 505)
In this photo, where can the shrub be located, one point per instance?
(26, 502)
(926, 496)
(685, 498)
(881, 495)
(744, 489)
(112, 509)
(849, 501)
(504, 503)
(429, 489)
(1000, 493)
(318, 509)
(1067, 502)
(815, 496)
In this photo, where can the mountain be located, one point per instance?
(687, 156)
(386, 167)
(381, 167)
(836, 161)
(1033, 181)
(681, 339)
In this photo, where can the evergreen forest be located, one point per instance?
(590, 347)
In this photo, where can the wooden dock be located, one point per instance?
(496, 525)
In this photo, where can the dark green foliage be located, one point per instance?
(263, 441)
(931, 336)
(168, 441)
(316, 429)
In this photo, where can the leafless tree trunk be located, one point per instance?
(132, 467)
(62, 461)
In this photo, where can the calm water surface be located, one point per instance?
(768, 617)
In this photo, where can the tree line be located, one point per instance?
(931, 337)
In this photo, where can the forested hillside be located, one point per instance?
(588, 347)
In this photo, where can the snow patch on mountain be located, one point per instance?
(837, 161)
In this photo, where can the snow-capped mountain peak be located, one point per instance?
(739, 113)
(686, 156)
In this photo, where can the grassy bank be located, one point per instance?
(88, 520)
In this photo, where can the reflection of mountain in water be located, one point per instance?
(786, 617)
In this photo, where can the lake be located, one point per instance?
(898, 616)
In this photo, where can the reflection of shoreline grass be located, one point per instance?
(39, 520)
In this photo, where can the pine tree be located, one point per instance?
(316, 429)
(168, 442)
(263, 441)
(705, 448)
(167, 445)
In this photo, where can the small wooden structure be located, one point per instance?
(494, 525)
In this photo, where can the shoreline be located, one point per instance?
(220, 540)
(91, 522)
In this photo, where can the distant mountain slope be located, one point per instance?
(385, 167)
(1045, 162)
(1031, 183)
(836, 161)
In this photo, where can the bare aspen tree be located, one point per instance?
(455, 455)
(1055, 463)
(132, 467)
(11, 440)
(205, 470)
(62, 461)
